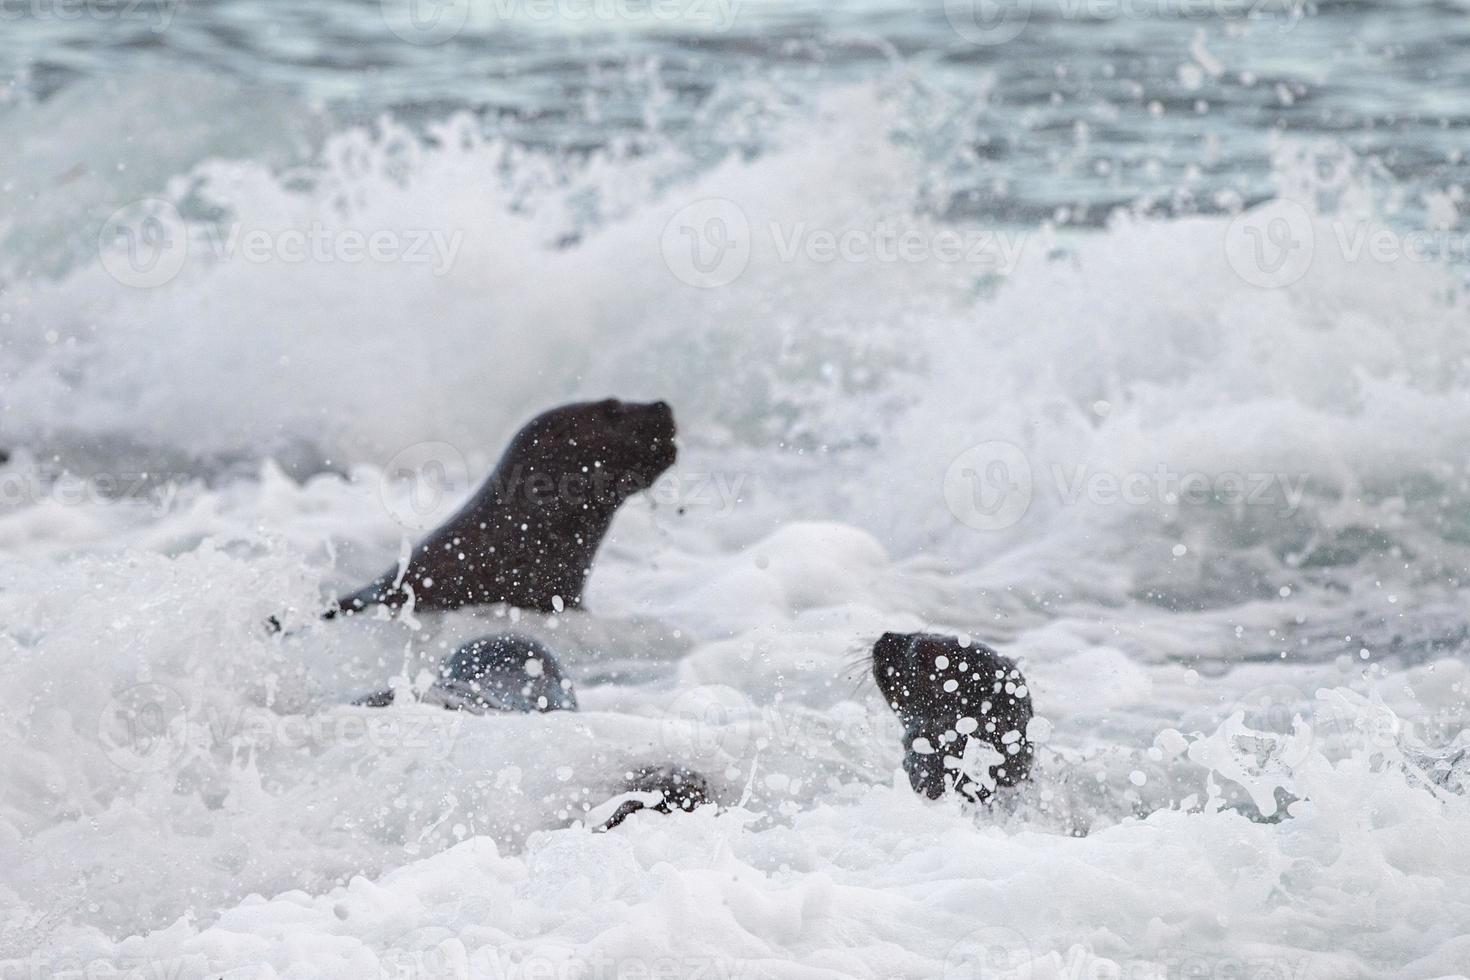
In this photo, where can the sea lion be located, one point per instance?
(964, 710)
(662, 789)
(513, 673)
(528, 536)
(506, 672)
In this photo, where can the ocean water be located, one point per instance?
(1126, 337)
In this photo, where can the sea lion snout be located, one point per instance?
(646, 447)
(899, 675)
(653, 432)
(624, 446)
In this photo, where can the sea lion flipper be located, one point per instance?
(662, 789)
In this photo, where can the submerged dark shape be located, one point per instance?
(506, 672)
(680, 789)
(529, 534)
(948, 696)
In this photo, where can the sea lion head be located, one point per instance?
(505, 672)
(948, 695)
(617, 448)
(501, 673)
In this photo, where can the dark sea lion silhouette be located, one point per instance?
(678, 789)
(513, 673)
(528, 536)
(948, 695)
(506, 672)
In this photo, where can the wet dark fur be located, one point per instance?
(989, 689)
(494, 674)
(531, 531)
(681, 789)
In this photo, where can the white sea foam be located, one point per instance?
(1170, 644)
